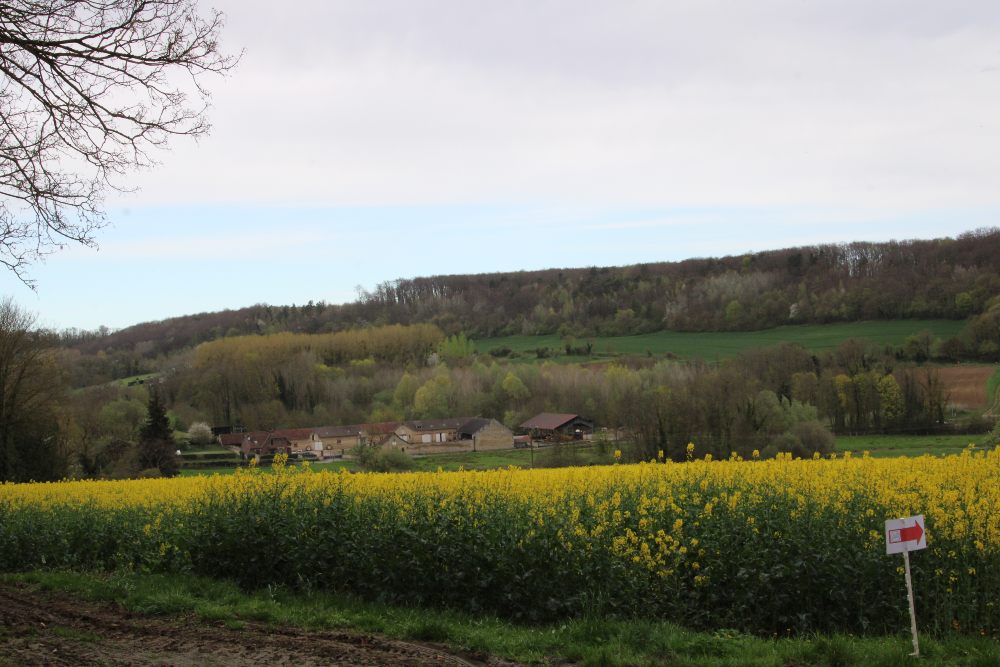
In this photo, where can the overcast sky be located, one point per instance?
(369, 140)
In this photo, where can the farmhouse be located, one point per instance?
(454, 434)
(558, 426)
(428, 431)
(337, 440)
(232, 439)
(424, 436)
(264, 443)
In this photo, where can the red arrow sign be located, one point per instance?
(906, 534)
(911, 534)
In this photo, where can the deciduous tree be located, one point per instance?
(30, 388)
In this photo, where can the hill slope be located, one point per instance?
(931, 279)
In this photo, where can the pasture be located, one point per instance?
(726, 344)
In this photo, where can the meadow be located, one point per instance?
(714, 345)
(771, 548)
(589, 454)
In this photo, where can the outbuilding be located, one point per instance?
(558, 426)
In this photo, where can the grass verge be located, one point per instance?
(598, 642)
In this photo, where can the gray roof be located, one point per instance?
(473, 426)
(436, 424)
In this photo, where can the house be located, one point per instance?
(558, 426)
(302, 440)
(430, 431)
(232, 440)
(379, 433)
(452, 434)
(338, 440)
(264, 443)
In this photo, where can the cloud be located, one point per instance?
(596, 103)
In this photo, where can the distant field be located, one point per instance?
(722, 345)
(584, 454)
(968, 385)
(885, 446)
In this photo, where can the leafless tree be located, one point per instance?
(89, 89)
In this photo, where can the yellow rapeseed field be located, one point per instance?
(776, 546)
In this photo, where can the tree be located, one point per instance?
(433, 399)
(200, 434)
(88, 90)
(30, 389)
(515, 389)
(156, 439)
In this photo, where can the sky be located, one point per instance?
(369, 140)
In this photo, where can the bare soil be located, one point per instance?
(41, 628)
(967, 385)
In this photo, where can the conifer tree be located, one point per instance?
(156, 439)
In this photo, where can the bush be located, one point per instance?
(803, 440)
(376, 459)
(200, 434)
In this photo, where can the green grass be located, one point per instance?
(589, 641)
(589, 454)
(906, 445)
(993, 390)
(123, 382)
(578, 454)
(726, 344)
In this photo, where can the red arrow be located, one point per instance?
(911, 534)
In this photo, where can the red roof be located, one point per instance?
(548, 421)
(231, 439)
(295, 433)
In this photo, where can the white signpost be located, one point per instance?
(903, 536)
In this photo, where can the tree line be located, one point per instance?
(955, 278)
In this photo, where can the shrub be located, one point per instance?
(200, 434)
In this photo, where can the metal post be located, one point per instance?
(909, 595)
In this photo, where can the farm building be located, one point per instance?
(232, 439)
(264, 443)
(558, 426)
(428, 431)
(454, 434)
(337, 440)
(486, 434)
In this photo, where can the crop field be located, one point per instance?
(723, 345)
(968, 385)
(768, 547)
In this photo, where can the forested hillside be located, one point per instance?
(940, 278)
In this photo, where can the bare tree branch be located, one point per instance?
(89, 90)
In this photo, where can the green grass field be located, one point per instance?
(726, 344)
(606, 642)
(584, 454)
(993, 390)
(907, 445)
(590, 454)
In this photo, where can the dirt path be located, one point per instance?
(38, 628)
